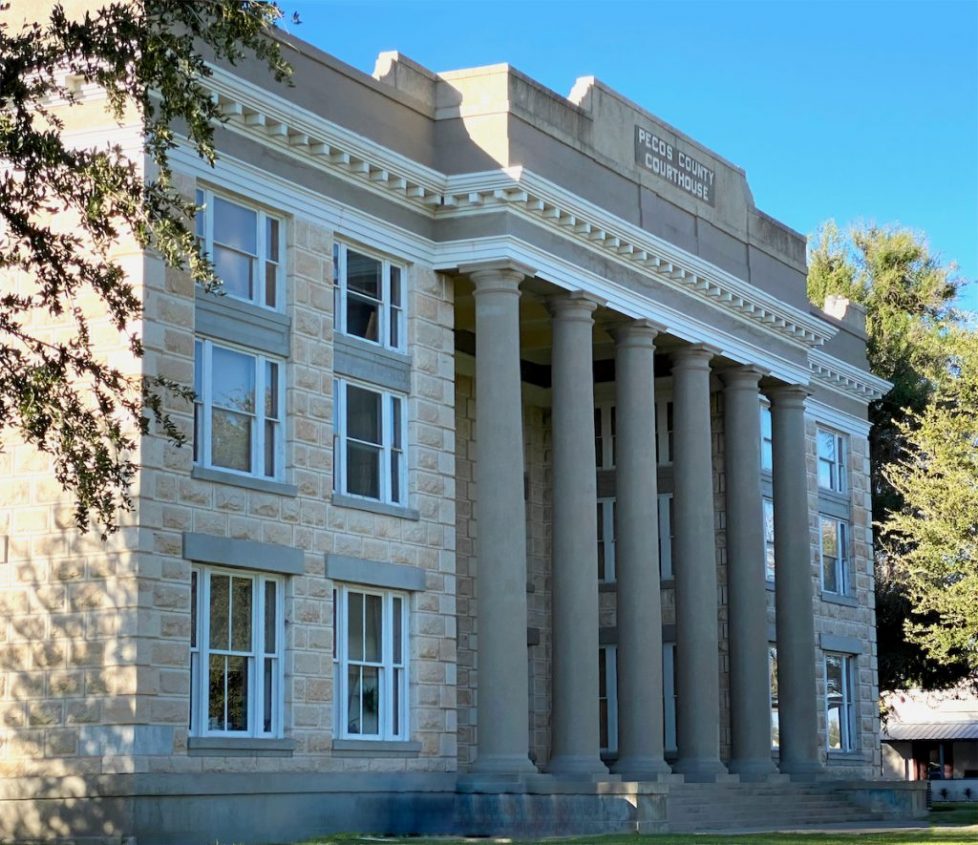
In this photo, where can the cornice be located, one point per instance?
(269, 119)
(844, 378)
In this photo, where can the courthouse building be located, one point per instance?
(527, 491)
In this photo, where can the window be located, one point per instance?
(369, 300)
(768, 510)
(767, 439)
(665, 535)
(368, 443)
(608, 697)
(840, 722)
(237, 411)
(605, 440)
(370, 636)
(236, 644)
(669, 696)
(607, 512)
(245, 245)
(833, 540)
(831, 460)
(772, 663)
(663, 430)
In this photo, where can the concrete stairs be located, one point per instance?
(703, 807)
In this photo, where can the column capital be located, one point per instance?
(788, 395)
(747, 376)
(575, 305)
(696, 356)
(498, 274)
(641, 332)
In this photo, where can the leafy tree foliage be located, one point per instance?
(913, 337)
(933, 540)
(148, 58)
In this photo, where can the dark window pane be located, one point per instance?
(362, 317)
(353, 700)
(271, 431)
(235, 226)
(396, 703)
(371, 701)
(220, 600)
(193, 610)
(373, 631)
(241, 602)
(363, 415)
(231, 440)
(215, 693)
(270, 610)
(271, 284)
(363, 470)
(354, 621)
(268, 695)
(271, 235)
(363, 274)
(396, 287)
(237, 703)
(396, 625)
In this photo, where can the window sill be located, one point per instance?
(845, 757)
(343, 501)
(228, 746)
(263, 485)
(607, 586)
(375, 748)
(837, 598)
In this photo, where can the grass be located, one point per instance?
(951, 824)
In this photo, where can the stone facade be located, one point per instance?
(472, 208)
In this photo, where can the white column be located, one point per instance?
(694, 556)
(575, 732)
(640, 743)
(797, 703)
(503, 694)
(750, 700)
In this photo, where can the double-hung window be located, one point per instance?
(370, 651)
(605, 436)
(237, 410)
(369, 301)
(767, 439)
(772, 668)
(666, 522)
(833, 543)
(608, 697)
(831, 461)
(368, 449)
(663, 430)
(607, 510)
(840, 717)
(245, 245)
(669, 699)
(236, 645)
(768, 512)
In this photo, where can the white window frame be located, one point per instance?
(847, 722)
(204, 407)
(665, 508)
(201, 650)
(767, 437)
(770, 561)
(840, 563)
(386, 666)
(388, 451)
(390, 314)
(663, 433)
(611, 695)
(836, 467)
(605, 434)
(606, 537)
(669, 699)
(204, 228)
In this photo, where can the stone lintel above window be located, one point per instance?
(233, 321)
(228, 746)
(243, 554)
(365, 361)
(843, 645)
(375, 573)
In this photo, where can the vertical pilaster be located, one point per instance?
(797, 704)
(575, 740)
(694, 555)
(640, 743)
(503, 695)
(750, 702)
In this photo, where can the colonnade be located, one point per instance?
(503, 737)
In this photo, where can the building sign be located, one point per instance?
(672, 163)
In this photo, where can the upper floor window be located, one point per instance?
(768, 511)
(608, 697)
(834, 543)
(666, 513)
(370, 648)
(237, 410)
(245, 245)
(831, 460)
(607, 510)
(663, 430)
(767, 439)
(369, 432)
(369, 301)
(772, 669)
(236, 646)
(605, 436)
(669, 698)
(840, 716)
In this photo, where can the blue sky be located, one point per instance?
(858, 111)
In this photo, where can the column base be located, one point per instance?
(706, 770)
(756, 771)
(503, 764)
(803, 771)
(653, 769)
(575, 766)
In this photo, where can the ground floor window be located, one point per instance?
(772, 662)
(370, 646)
(607, 511)
(840, 721)
(608, 697)
(236, 645)
(669, 696)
